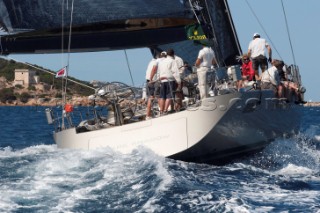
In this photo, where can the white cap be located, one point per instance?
(256, 35)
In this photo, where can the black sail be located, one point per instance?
(101, 25)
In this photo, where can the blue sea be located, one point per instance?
(35, 176)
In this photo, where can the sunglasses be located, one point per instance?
(246, 59)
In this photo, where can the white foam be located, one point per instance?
(8, 152)
(70, 177)
(233, 204)
(292, 169)
(137, 186)
(241, 166)
(60, 174)
(277, 196)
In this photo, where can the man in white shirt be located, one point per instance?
(270, 79)
(151, 64)
(256, 51)
(152, 77)
(170, 80)
(206, 58)
(151, 89)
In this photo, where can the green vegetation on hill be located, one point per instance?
(7, 68)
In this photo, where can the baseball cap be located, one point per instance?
(256, 35)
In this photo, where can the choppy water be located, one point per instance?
(35, 176)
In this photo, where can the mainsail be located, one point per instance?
(99, 25)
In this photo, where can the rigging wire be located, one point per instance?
(265, 32)
(62, 26)
(287, 27)
(64, 96)
(125, 52)
(196, 6)
(193, 10)
(69, 47)
(62, 40)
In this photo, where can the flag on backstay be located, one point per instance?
(62, 72)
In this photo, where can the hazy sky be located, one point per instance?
(304, 27)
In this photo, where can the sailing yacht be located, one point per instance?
(228, 123)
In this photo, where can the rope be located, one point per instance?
(287, 27)
(125, 52)
(265, 32)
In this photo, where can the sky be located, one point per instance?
(303, 25)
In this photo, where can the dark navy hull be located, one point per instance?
(243, 130)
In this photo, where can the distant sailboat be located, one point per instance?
(227, 124)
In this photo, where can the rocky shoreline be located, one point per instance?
(312, 104)
(75, 101)
(83, 101)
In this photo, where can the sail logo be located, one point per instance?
(195, 32)
(196, 36)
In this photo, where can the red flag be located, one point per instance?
(62, 72)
